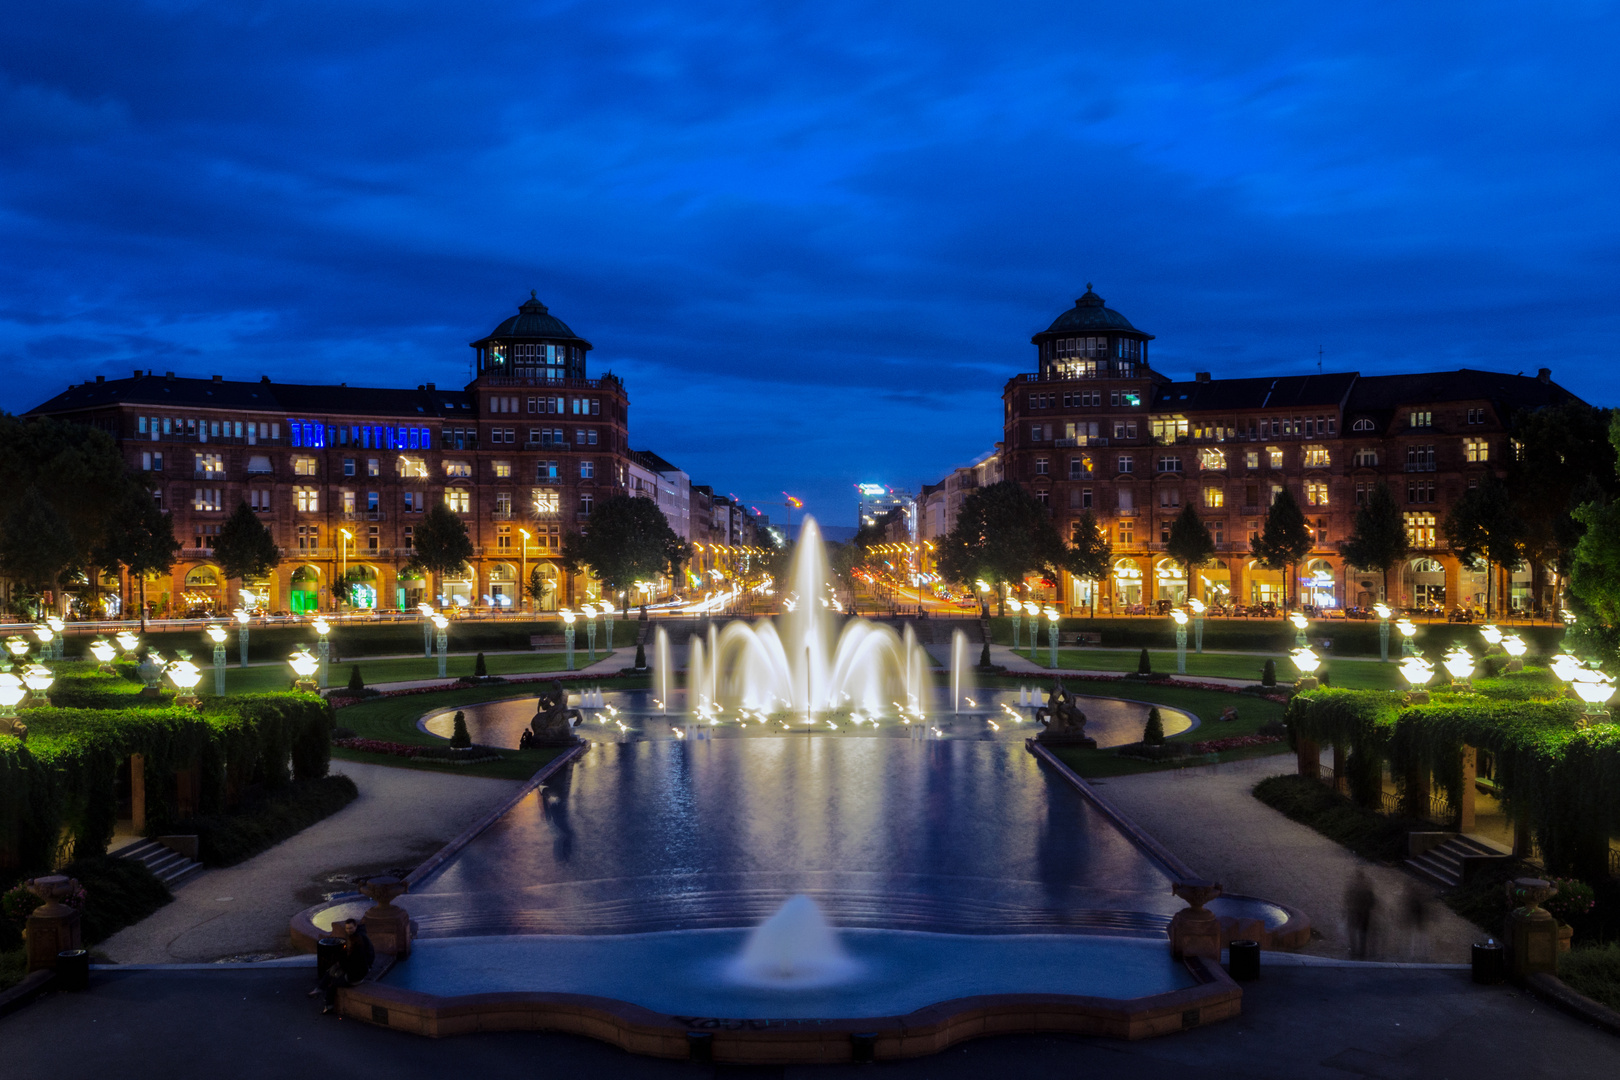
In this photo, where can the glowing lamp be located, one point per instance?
(607, 608)
(440, 622)
(1197, 605)
(11, 690)
(984, 586)
(1593, 686)
(185, 675)
(37, 677)
(1016, 605)
(1180, 616)
(425, 609)
(17, 645)
(1406, 626)
(567, 616)
(1491, 634)
(1382, 610)
(1305, 659)
(1416, 671)
(54, 623)
(322, 627)
(1051, 613)
(44, 634)
(1514, 644)
(1459, 662)
(242, 615)
(1565, 667)
(216, 633)
(103, 650)
(303, 664)
(589, 610)
(1299, 620)
(128, 641)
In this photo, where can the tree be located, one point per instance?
(1563, 459)
(627, 540)
(33, 542)
(1285, 540)
(1002, 533)
(1594, 582)
(1153, 730)
(442, 545)
(244, 548)
(677, 553)
(1379, 540)
(538, 586)
(139, 537)
(1190, 543)
(1483, 525)
(1089, 554)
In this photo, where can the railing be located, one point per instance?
(564, 383)
(208, 474)
(501, 515)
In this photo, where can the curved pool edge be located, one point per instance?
(928, 1030)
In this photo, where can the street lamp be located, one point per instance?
(1307, 661)
(1018, 613)
(1460, 664)
(1417, 672)
(1300, 622)
(1565, 667)
(304, 665)
(57, 626)
(1515, 646)
(242, 617)
(1408, 630)
(322, 627)
(427, 629)
(11, 692)
(1197, 606)
(590, 628)
(127, 641)
(1051, 614)
(568, 635)
(607, 621)
(442, 626)
(103, 651)
(1181, 640)
(216, 634)
(523, 568)
(38, 679)
(17, 645)
(1381, 609)
(185, 675)
(1593, 687)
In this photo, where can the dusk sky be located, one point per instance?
(814, 239)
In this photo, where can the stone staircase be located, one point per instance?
(169, 865)
(1449, 863)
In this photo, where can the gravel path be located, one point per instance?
(401, 817)
(1210, 818)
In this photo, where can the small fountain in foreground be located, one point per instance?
(793, 949)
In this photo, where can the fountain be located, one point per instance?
(795, 948)
(961, 671)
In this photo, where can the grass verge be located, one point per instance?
(1352, 674)
(252, 680)
(1593, 970)
(227, 839)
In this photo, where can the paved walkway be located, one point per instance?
(1298, 1023)
(401, 817)
(1209, 817)
(1019, 663)
(612, 664)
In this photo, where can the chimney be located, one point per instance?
(430, 386)
(1201, 376)
(219, 378)
(169, 375)
(137, 373)
(264, 378)
(101, 378)
(1544, 375)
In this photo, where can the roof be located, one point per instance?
(648, 459)
(533, 320)
(1286, 392)
(291, 399)
(1088, 315)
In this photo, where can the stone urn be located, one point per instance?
(388, 926)
(1531, 893)
(1531, 931)
(53, 927)
(1196, 931)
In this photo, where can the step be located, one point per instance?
(167, 866)
(1435, 871)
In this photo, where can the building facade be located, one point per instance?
(1095, 427)
(342, 475)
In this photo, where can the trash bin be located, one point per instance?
(863, 1046)
(328, 951)
(1490, 963)
(1243, 960)
(700, 1045)
(72, 970)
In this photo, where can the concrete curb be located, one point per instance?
(31, 987)
(1557, 992)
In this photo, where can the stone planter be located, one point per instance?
(54, 926)
(1566, 933)
(388, 926)
(1196, 931)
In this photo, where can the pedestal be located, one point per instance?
(389, 927)
(1531, 933)
(53, 927)
(1195, 931)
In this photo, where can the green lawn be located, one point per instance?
(239, 680)
(1353, 674)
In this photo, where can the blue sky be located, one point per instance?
(813, 238)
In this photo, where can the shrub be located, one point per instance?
(1574, 899)
(984, 655)
(480, 669)
(641, 656)
(1153, 733)
(1268, 674)
(356, 683)
(459, 739)
(1313, 803)
(1593, 971)
(1144, 666)
(264, 822)
(115, 893)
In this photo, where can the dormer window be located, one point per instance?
(1362, 425)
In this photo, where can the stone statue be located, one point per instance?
(1064, 721)
(553, 723)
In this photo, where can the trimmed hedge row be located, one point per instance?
(80, 685)
(59, 789)
(358, 639)
(1558, 778)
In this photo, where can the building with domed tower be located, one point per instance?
(342, 475)
(1096, 427)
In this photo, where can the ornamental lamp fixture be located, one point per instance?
(185, 675)
(322, 627)
(127, 641)
(1459, 663)
(607, 607)
(37, 677)
(17, 645)
(55, 623)
(1382, 610)
(1179, 615)
(1593, 687)
(303, 664)
(44, 634)
(1514, 644)
(1492, 634)
(1305, 659)
(589, 610)
(1016, 605)
(1406, 627)
(425, 609)
(1197, 605)
(11, 692)
(1299, 620)
(103, 650)
(439, 621)
(567, 616)
(242, 615)
(216, 633)
(1051, 613)
(1565, 667)
(1417, 672)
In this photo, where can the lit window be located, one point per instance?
(1212, 458)
(304, 466)
(587, 469)
(1079, 467)
(458, 500)
(1214, 497)
(1420, 530)
(1276, 457)
(1316, 492)
(1251, 459)
(1422, 419)
(413, 467)
(1316, 457)
(546, 501)
(457, 468)
(503, 470)
(206, 499)
(1477, 450)
(307, 499)
(374, 467)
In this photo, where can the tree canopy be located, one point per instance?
(1002, 533)
(1483, 525)
(1564, 458)
(139, 537)
(1379, 540)
(441, 543)
(1089, 553)
(1286, 538)
(1190, 543)
(627, 540)
(244, 548)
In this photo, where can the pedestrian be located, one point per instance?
(1417, 921)
(353, 966)
(1360, 903)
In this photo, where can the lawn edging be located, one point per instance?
(1556, 992)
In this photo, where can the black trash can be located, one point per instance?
(72, 970)
(700, 1045)
(1243, 960)
(328, 951)
(863, 1046)
(1490, 963)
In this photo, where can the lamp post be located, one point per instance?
(1300, 622)
(45, 635)
(57, 626)
(242, 617)
(1307, 661)
(1593, 687)
(523, 569)
(304, 665)
(1018, 611)
(1459, 663)
(128, 642)
(1181, 640)
(1408, 631)
(1051, 614)
(1569, 618)
(590, 629)
(1565, 667)
(185, 675)
(17, 645)
(103, 651)
(442, 625)
(1381, 609)
(11, 692)
(607, 622)
(216, 634)
(324, 648)
(568, 636)
(1197, 606)
(38, 679)
(1515, 647)
(427, 629)
(1417, 672)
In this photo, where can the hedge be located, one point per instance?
(1558, 778)
(58, 789)
(86, 686)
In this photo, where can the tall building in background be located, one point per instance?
(876, 500)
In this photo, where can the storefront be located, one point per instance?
(1317, 587)
(361, 581)
(1170, 581)
(456, 589)
(503, 590)
(1265, 586)
(1423, 584)
(204, 592)
(1215, 583)
(306, 591)
(1127, 585)
(410, 591)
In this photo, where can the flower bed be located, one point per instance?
(1233, 742)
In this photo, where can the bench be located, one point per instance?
(537, 640)
(1079, 637)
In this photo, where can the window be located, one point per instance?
(1169, 497)
(1127, 533)
(259, 501)
(1363, 494)
(348, 466)
(374, 467)
(1124, 429)
(1085, 498)
(348, 501)
(590, 437)
(1079, 467)
(413, 467)
(545, 470)
(457, 468)
(546, 501)
(415, 502)
(1164, 531)
(1363, 425)
(1421, 419)
(503, 538)
(1127, 501)
(503, 470)
(1034, 433)
(458, 500)
(587, 469)
(1125, 463)
(372, 504)
(153, 462)
(303, 466)
(1366, 459)
(307, 499)
(1420, 530)
(585, 504)
(209, 465)
(503, 504)
(1251, 459)
(1316, 457)
(1476, 416)
(206, 499)
(1420, 491)
(1167, 429)
(1476, 450)
(1217, 532)
(1214, 497)
(1276, 456)
(373, 538)
(410, 538)
(1042, 466)
(1212, 459)
(1124, 399)
(1169, 463)
(1043, 497)
(1316, 493)
(1420, 458)
(1251, 496)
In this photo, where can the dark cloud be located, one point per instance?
(814, 238)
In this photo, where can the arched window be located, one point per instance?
(1362, 425)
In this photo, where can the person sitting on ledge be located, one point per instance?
(358, 956)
